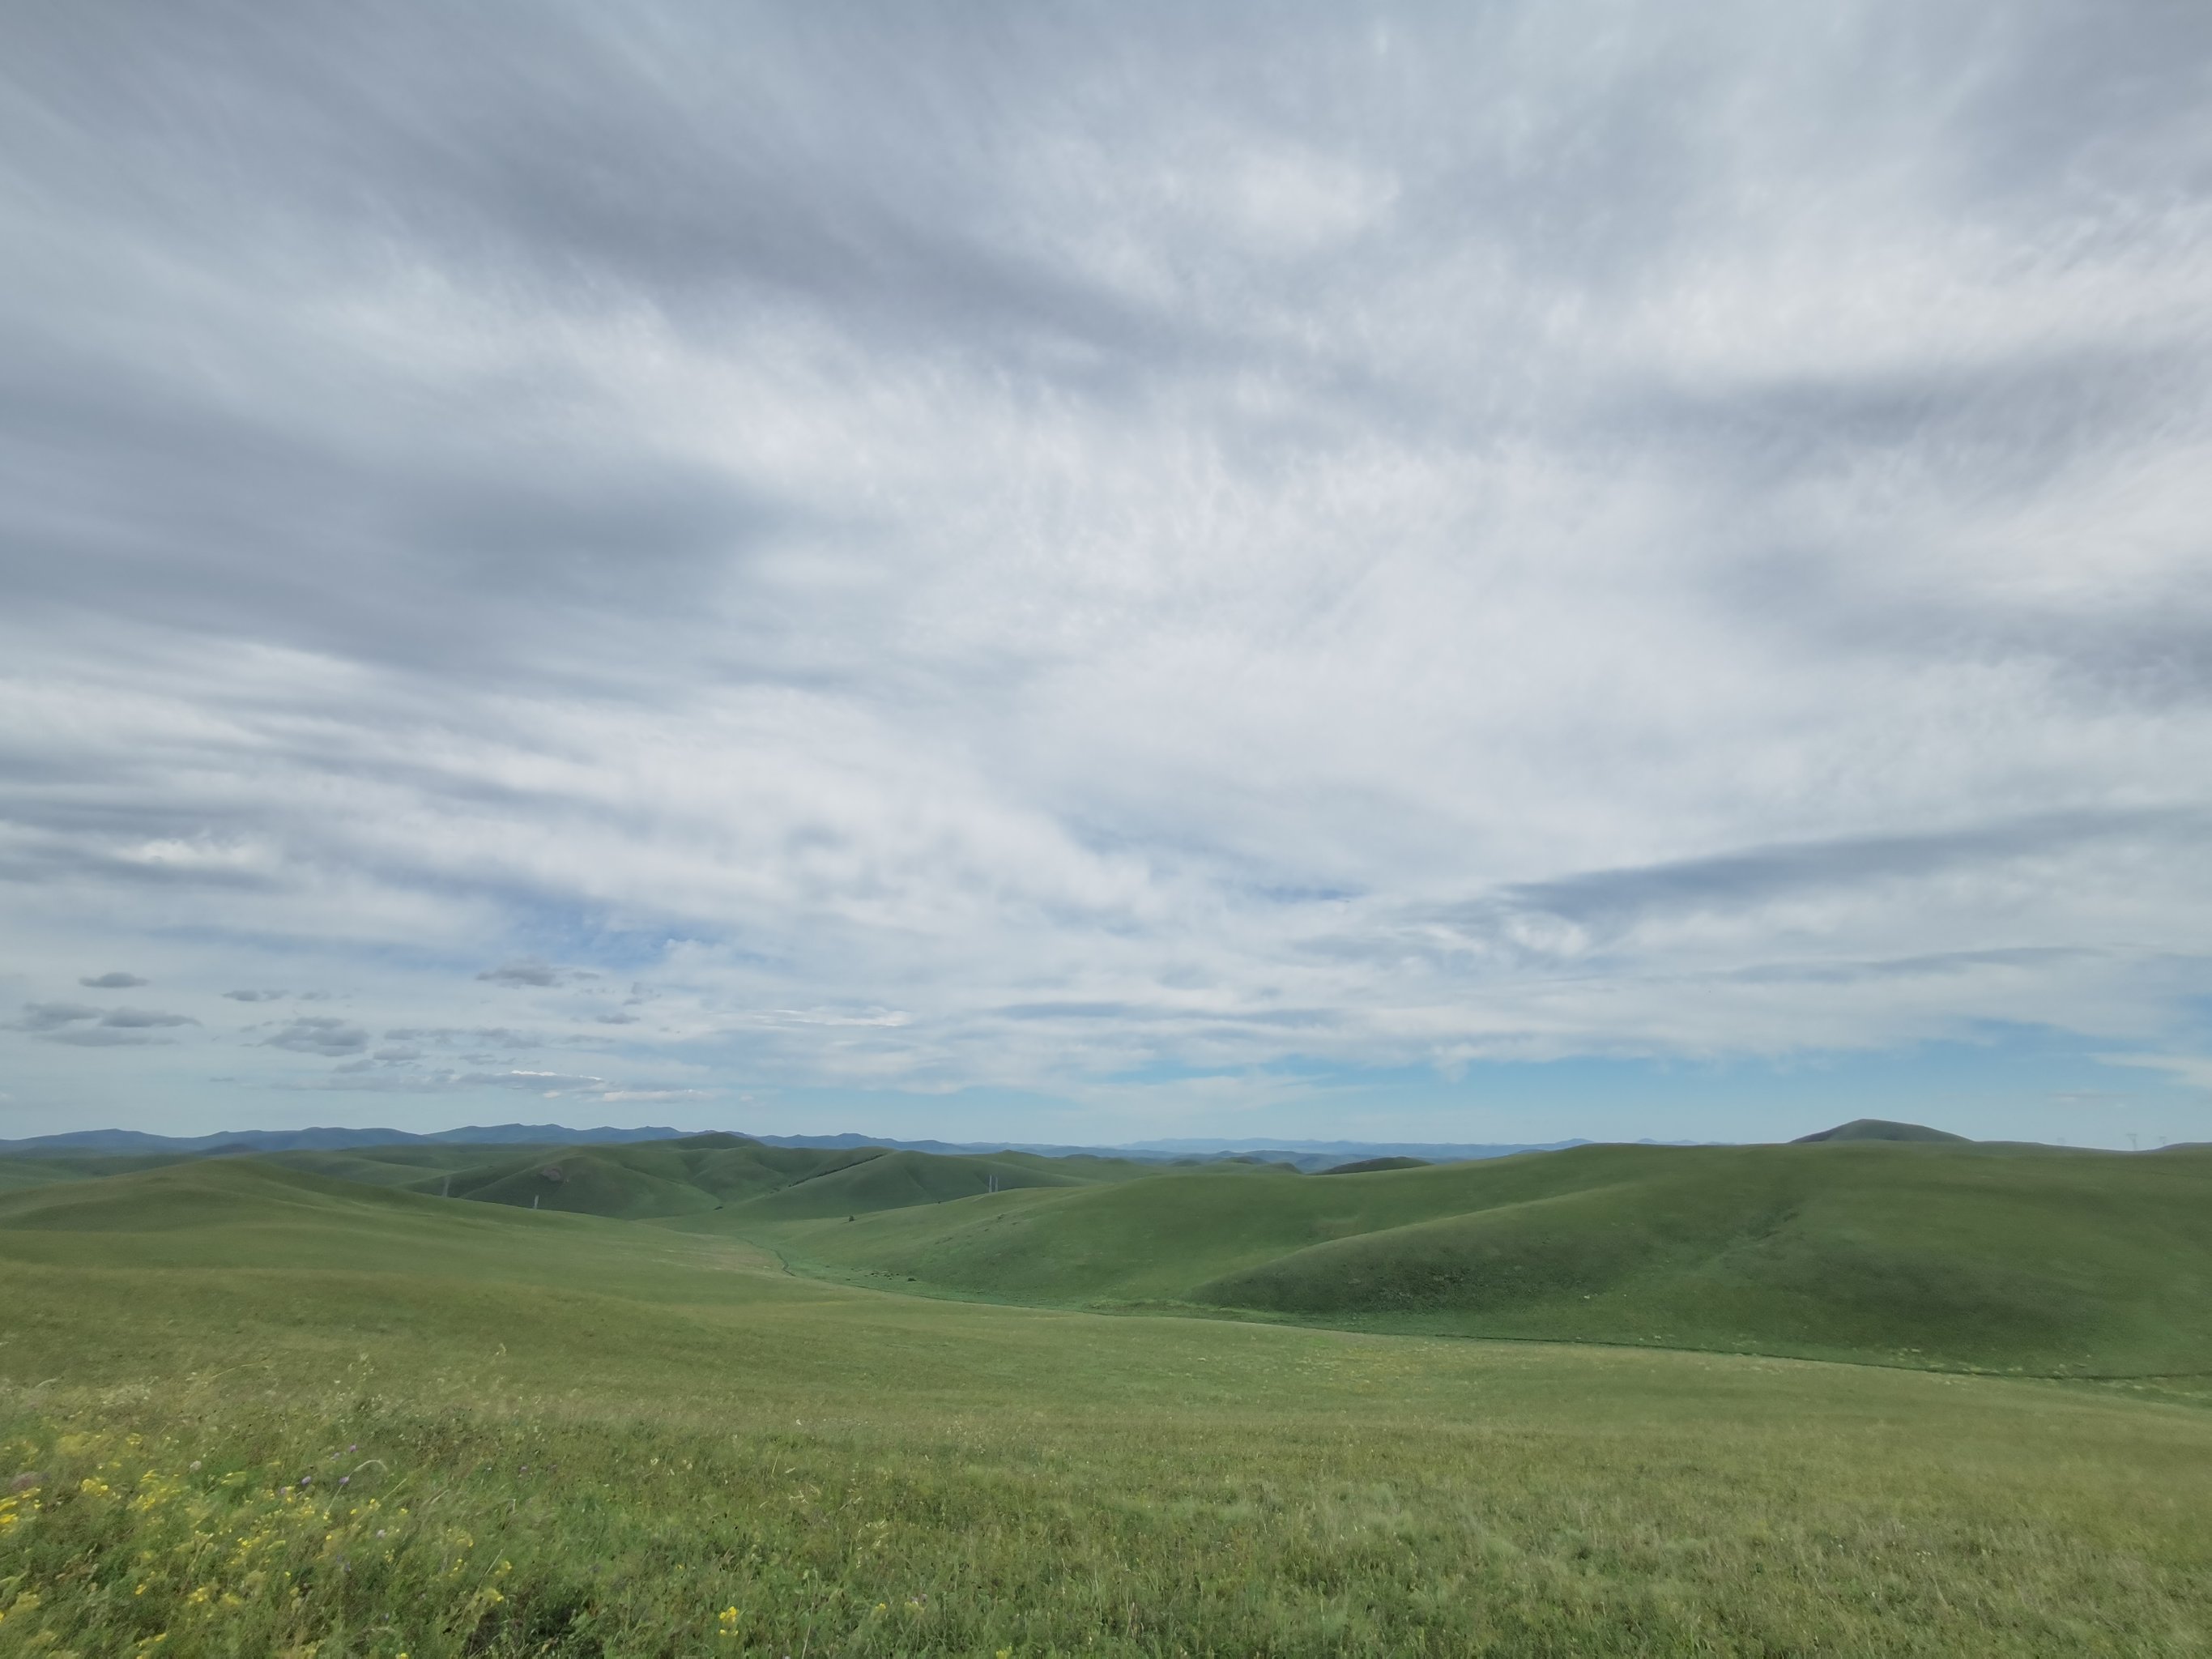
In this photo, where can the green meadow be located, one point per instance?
(1847, 1398)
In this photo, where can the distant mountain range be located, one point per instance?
(1430, 1151)
(324, 1140)
(1305, 1154)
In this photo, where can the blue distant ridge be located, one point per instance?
(1305, 1154)
(324, 1140)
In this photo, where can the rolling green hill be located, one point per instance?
(254, 1214)
(19, 1173)
(247, 1408)
(1371, 1165)
(1918, 1253)
(664, 1179)
(1876, 1242)
(376, 1165)
(634, 1181)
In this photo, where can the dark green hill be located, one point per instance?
(658, 1180)
(585, 1183)
(1881, 1128)
(735, 1180)
(898, 1181)
(377, 1167)
(632, 1182)
(1371, 1165)
(1992, 1256)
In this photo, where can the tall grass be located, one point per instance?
(362, 1522)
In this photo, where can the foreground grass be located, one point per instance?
(692, 1455)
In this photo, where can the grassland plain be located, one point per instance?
(269, 1413)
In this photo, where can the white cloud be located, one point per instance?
(2193, 1069)
(1178, 550)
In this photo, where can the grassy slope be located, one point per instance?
(20, 1172)
(1981, 1256)
(382, 1166)
(567, 1435)
(229, 1214)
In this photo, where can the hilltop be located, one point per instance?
(1878, 1128)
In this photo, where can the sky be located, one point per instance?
(1088, 573)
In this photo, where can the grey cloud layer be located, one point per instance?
(53, 1016)
(324, 1034)
(519, 973)
(1016, 547)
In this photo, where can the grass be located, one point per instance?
(19, 1172)
(559, 1434)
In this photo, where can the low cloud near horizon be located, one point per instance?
(1160, 567)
